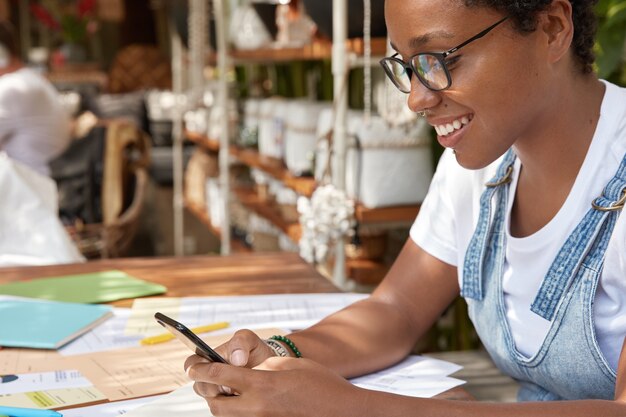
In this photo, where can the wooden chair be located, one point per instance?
(125, 179)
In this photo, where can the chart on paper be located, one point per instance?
(288, 311)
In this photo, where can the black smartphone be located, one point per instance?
(189, 338)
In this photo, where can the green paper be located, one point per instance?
(96, 287)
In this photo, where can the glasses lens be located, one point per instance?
(431, 72)
(398, 74)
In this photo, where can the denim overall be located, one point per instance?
(569, 364)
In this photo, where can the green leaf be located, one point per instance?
(602, 7)
(616, 13)
(609, 49)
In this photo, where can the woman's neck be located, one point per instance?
(552, 158)
(558, 146)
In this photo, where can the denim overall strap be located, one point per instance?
(591, 237)
(483, 238)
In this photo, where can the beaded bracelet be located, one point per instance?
(289, 343)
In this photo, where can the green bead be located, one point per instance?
(289, 343)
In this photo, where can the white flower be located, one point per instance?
(325, 218)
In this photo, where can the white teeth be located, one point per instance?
(443, 130)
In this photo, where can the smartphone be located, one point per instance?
(189, 338)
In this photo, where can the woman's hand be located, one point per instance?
(278, 387)
(244, 349)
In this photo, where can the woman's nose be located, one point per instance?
(420, 97)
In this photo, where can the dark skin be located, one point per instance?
(541, 118)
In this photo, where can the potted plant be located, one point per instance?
(71, 22)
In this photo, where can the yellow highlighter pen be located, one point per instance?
(200, 329)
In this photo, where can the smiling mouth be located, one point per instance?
(444, 130)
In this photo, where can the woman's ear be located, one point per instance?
(556, 23)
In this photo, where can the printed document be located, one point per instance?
(285, 311)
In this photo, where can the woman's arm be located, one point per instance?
(366, 336)
(304, 388)
(382, 329)
(620, 386)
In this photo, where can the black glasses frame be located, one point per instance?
(439, 56)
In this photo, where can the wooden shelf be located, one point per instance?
(316, 51)
(276, 168)
(272, 166)
(400, 214)
(362, 271)
(365, 271)
(203, 141)
(306, 186)
(249, 198)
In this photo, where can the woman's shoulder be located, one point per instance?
(613, 120)
(614, 103)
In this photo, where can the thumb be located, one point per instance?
(240, 346)
(239, 357)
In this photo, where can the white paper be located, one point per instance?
(416, 376)
(287, 311)
(424, 388)
(182, 402)
(107, 336)
(425, 377)
(44, 381)
(109, 409)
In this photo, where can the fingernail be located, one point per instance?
(238, 358)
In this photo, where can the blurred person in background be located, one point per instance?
(34, 126)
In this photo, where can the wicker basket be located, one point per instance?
(118, 234)
(139, 67)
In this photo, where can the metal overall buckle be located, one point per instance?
(504, 180)
(618, 205)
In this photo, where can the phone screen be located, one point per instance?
(189, 338)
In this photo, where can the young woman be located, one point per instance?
(522, 219)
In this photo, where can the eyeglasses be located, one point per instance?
(430, 67)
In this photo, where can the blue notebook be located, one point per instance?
(31, 323)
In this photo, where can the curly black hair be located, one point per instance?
(524, 15)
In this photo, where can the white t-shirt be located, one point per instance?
(450, 211)
(34, 127)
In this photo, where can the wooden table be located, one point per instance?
(244, 274)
